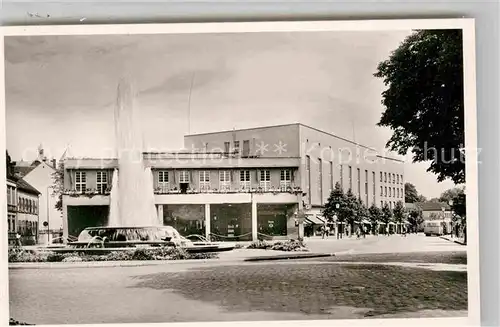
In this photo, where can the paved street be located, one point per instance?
(222, 290)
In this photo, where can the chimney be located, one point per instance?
(54, 163)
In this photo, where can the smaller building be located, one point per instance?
(434, 211)
(26, 221)
(11, 210)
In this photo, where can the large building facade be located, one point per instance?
(240, 184)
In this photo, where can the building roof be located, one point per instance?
(428, 206)
(297, 124)
(22, 171)
(25, 186)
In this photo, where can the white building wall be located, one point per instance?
(41, 179)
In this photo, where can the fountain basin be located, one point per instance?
(102, 240)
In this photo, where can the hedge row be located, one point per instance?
(166, 253)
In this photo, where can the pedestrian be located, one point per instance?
(18, 240)
(357, 233)
(323, 232)
(327, 230)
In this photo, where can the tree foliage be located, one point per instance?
(415, 218)
(411, 194)
(58, 185)
(9, 165)
(399, 212)
(424, 101)
(386, 216)
(451, 194)
(337, 196)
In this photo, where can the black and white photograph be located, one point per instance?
(292, 171)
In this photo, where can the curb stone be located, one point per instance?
(454, 241)
(290, 257)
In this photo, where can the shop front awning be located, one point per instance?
(313, 220)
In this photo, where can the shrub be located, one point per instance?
(259, 245)
(161, 253)
(291, 245)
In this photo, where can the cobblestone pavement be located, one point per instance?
(448, 257)
(221, 292)
(317, 288)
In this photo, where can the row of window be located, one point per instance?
(225, 179)
(391, 178)
(391, 204)
(184, 177)
(101, 181)
(393, 192)
(27, 205)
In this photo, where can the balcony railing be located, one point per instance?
(245, 187)
(284, 185)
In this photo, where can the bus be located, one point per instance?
(433, 228)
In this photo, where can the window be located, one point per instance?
(381, 179)
(394, 192)
(398, 193)
(350, 178)
(163, 180)
(184, 176)
(226, 147)
(402, 193)
(385, 191)
(381, 204)
(381, 191)
(320, 180)
(102, 181)
(393, 178)
(245, 179)
(246, 148)
(389, 192)
(80, 181)
(8, 199)
(265, 180)
(385, 177)
(236, 146)
(374, 185)
(308, 178)
(397, 178)
(332, 184)
(402, 180)
(359, 182)
(204, 178)
(224, 180)
(285, 179)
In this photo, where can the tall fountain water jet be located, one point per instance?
(132, 197)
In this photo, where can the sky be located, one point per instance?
(61, 90)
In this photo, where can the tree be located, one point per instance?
(421, 198)
(349, 209)
(424, 101)
(337, 196)
(399, 213)
(58, 185)
(386, 216)
(374, 215)
(9, 165)
(459, 209)
(451, 194)
(411, 194)
(415, 218)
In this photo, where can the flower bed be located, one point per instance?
(166, 253)
(13, 322)
(290, 245)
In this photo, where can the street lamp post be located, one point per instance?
(337, 206)
(48, 218)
